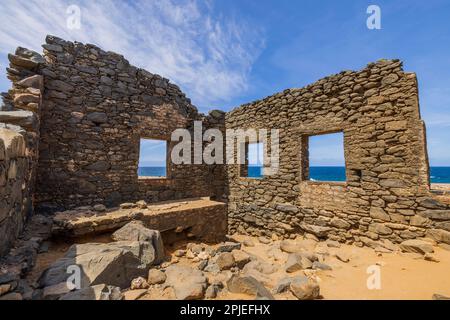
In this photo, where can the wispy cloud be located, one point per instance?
(210, 56)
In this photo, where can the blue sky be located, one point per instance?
(225, 53)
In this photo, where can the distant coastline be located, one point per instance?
(437, 174)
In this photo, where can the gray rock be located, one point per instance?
(188, 283)
(99, 166)
(248, 285)
(136, 231)
(241, 258)
(228, 247)
(282, 285)
(25, 119)
(304, 288)
(211, 292)
(113, 263)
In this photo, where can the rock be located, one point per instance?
(202, 265)
(23, 118)
(12, 296)
(55, 291)
(228, 247)
(379, 213)
(430, 257)
(188, 283)
(134, 294)
(35, 81)
(4, 288)
(318, 231)
(211, 292)
(212, 267)
(22, 62)
(136, 231)
(97, 292)
(342, 256)
(127, 205)
(241, 258)
(437, 296)
(203, 255)
(139, 283)
(8, 277)
(141, 204)
(248, 285)
(297, 262)
(416, 246)
(248, 243)
(282, 285)
(304, 288)
(156, 276)
(333, 244)
(439, 235)
(320, 266)
(113, 263)
(380, 228)
(225, 261)
(263, 240)
(261, 267)
(99, 208)
(179, 253)
(98, 117)
(290, 246)
(99, 166)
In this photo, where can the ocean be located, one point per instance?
(437, 174)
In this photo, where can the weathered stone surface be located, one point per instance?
(228, 246)
(136, 231)
(304, 288)
(297, 262)
(156, 277)
(112, 263)
(188, 284)
(139, 283)
(416, 246)
(225, 261)
(439, 235)
(248, 285)
(241, 258)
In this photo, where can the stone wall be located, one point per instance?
(19, 140)
(96, 109)
(387, 193)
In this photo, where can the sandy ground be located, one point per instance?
(402, 276)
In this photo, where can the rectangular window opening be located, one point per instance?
(254, 166)
(326, 158)
(152, 159)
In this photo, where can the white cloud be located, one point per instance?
(209, 56)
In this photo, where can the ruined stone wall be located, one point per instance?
(96, 107)
(386, 195)
(19, 141)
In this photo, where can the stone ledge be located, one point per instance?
(194, 214)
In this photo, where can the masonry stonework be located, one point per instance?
(71, 125)
(387, 192)
(96, 108)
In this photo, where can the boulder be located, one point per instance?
(156, 276)
(416, 246)
(304, 288)
(225, 261)
(248, 285)
(241, 258)
(99, 263)
(97, 292)
(297, 262)
(188, 283)
(290, 246)
(136, 231)
(134, 294)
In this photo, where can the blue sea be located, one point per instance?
(437, 174)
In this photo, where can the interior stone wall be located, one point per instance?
(96, 108)
(387, 192)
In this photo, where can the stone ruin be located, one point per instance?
(69, 143)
